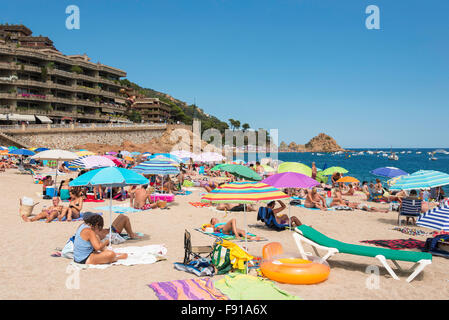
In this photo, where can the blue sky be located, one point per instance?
(300, 66)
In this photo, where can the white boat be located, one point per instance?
(384, 155)
(419, 152)
(393, 156)
(433, 158)
(370, 152)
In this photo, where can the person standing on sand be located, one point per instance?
(314, 171)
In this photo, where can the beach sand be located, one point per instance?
(27, 271)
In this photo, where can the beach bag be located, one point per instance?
(26, 206)
(432, 245)
(221, 258)
(67, 251)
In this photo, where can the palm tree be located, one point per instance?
(245, 127)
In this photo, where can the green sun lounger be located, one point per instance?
(318, 240)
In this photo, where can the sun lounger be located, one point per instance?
(318, 240)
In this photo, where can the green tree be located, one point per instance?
(245, 127)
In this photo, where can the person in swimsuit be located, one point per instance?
(139, 197)
(283, 218)
(49, 214)
(75, 205)
(314, 171)
(210, 185)
(315, 200)
(350, 192)
(339, 201)
(64, 189)
(366, 207)
(87, 247)
(229, 228)
(235, 207)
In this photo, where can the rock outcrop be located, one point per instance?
(320, 143)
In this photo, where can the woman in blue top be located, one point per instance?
(87, 247)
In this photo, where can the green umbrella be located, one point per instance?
(320, 177)
(239, 170)
(218, 166)
(332, 170)
(295, 167)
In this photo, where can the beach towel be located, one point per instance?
(411, 231)
(93, 200)
(220, 235)
(246, 287)
(191, 289)
(118, 209)
(184, 193)
(302, 206)
(398, 244)
(199, 204)
(65, 218)
(136, 255)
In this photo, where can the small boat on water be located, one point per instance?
(393, 156)
(419, 152)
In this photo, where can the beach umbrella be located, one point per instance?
(181, 154)
(125, 153)
(348, 179)
(91, 162)
(109, 177)
(389, 172)
(392, 181)
(241, 171)
(40, 149)
(290, 180)
(129, 159)
(156, 166)
(82, 153)
(3, 148)
(244, 192)
(112, 153)
(172, 161)
(21, 152)
(116, 160)
(295, 167)
(164, 157)
(55, 155)
(267, 168)
(422, 179)
(436, 218)
(332, 170)
(12, 148)
(135, 153)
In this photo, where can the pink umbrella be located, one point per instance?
(111, 152)
(114, 159)
(290, 180)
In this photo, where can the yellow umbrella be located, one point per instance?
(348, 179)
(85, 153)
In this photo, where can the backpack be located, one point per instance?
(221, 258)
(432, 245)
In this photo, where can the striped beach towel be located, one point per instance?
(191, 289)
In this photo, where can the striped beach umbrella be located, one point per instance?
(116, 160)
(91, 162)
(156, 167)
(244, 192)
(165, 157)
(436, 218)
(422, 179)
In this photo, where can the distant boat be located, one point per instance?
(419, 152)
(433, 158)
(393, 157)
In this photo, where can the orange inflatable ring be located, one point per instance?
(291, 270)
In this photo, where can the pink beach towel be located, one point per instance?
(191, 289)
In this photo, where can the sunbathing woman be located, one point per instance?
(315, 200)
(48, 213)
(87, 247)
(75, 205)
(282, 219)
(339, 201)
(230, 228)
(350, 192)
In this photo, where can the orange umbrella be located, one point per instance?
(129, 159)
(348, 179)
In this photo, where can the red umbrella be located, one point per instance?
(117, 161)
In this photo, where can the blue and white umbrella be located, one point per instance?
(389, 172)
(422, 179)
(436, 218)
(165, 156)
(91, 162)
(156, 167)
(21, 152)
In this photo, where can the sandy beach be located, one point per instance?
(29, 272)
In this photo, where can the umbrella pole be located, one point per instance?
(56, 175)
(246, 236)
(110, 217)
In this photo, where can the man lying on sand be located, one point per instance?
(48, 213)
(230, 228)
(235, 207)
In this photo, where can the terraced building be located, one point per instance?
(40, 84)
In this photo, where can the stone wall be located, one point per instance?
(65, 138)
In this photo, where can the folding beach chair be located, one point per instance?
(409, 208)
(318, 240)
(194, 251)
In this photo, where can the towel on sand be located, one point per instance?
(246, 287)
(398, 244)
(136, 255)
(65, 218)
(118, 209)
(191, 289)
(199, 204)
(221, 235)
